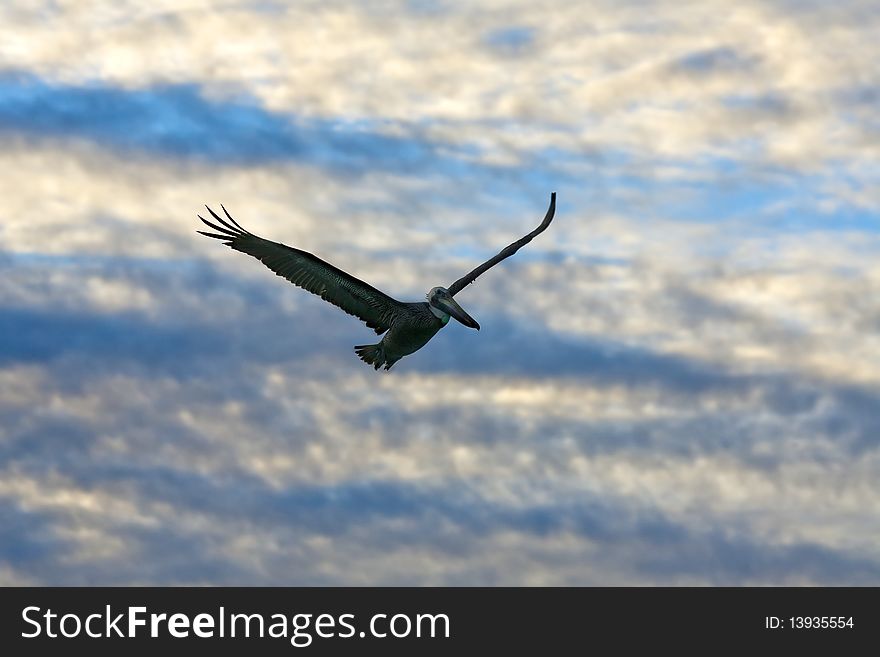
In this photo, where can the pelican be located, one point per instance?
(407, 326)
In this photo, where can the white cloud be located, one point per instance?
(616, 77)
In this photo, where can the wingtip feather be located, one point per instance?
(225, 238)
(226, 212)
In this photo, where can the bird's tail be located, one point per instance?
(374, 354)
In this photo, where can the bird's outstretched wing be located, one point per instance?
(508, 251)
(309, 272)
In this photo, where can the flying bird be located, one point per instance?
(407, 326)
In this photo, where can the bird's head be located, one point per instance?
(444, 306)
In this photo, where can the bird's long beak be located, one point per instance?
(450, 305)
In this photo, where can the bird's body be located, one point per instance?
(407, 326)
(411, 330)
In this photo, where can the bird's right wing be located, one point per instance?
(309, 272)
(506, 252)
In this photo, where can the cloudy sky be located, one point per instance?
(675, 384)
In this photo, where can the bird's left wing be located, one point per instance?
(309, 272)
(506, 252)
